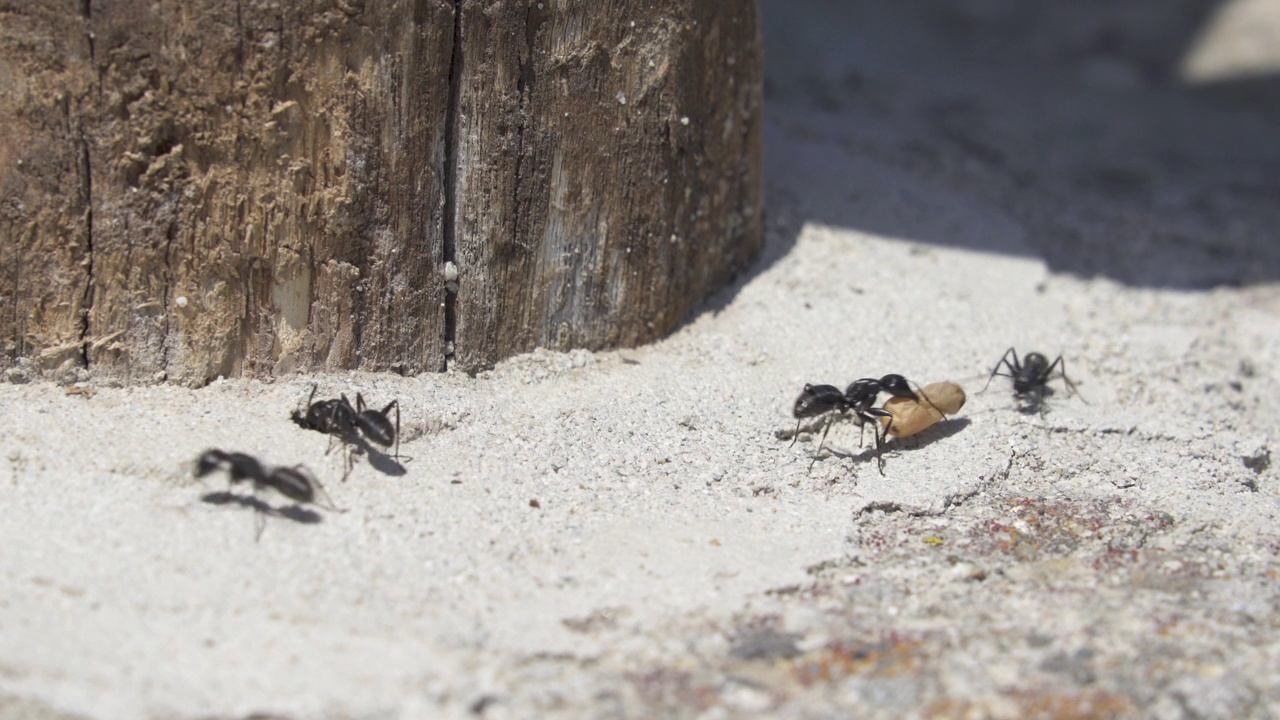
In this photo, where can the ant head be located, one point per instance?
(817, 399)
(897, 386)
(209, 461)
(1035, 360)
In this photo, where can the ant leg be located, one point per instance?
(1062, 370)
(359, 411)
(876, 429)
(315, 482)
(259, 524)
(818, 452)
(302, 409)
(879, 454)
(795, 435)
(259, 517)
(920, 392)
(348, 462)
(1004, 360)
(331, 412)
(384, 412)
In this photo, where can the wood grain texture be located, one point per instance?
(223, 188)
(195, 189)
(608, 168)
(269, 184)
(46, 79)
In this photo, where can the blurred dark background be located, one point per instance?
(1137, 140)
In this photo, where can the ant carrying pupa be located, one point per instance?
(913, 416)
(294, 483)
(1031, 377)
(859, 399)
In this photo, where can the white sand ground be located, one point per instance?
(630, 534)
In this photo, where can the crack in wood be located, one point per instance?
(86, 193)
(86, 196)
(487, 147)
(450, 229)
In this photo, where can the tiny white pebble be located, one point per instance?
(450, 271)
(180, 301)
(622, 98)
(684, 120)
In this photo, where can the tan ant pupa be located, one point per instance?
(913, 416)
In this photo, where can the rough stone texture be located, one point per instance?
(224, 188)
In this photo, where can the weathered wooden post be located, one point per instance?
(196, 188)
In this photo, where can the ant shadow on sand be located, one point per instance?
(893, 446)
(378, 460)
(262, 510)
(294, 483)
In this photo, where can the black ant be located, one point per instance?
(292, 482)
(376, 424)
(1031, 376)
(818, 400)
(331, 417)
(865, 390)
(338, 418)
(859, 398)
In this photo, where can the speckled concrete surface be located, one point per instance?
(631, 534)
